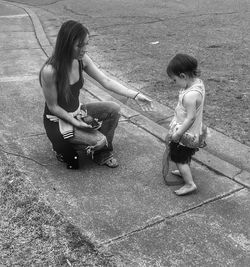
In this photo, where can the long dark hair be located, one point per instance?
(183, 63)
(62, 57)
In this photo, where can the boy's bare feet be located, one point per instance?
(186, 189)
(176, 172)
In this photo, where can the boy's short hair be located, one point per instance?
(183, 63)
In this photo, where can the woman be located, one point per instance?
(69, 124)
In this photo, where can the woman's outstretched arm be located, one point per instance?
(93, 71)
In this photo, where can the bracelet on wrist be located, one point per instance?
(136, 95)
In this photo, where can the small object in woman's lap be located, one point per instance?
(88, 119)
(95, 124)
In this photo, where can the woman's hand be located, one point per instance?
(81, 124)
(144, 102)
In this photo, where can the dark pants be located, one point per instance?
(109, 114)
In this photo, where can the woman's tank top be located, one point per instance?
(73, 103)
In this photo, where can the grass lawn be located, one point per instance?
(33, 234)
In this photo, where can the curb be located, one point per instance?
(203, 157)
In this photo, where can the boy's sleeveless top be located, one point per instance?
(73, 102)
(196, 129)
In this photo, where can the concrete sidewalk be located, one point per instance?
(128, 210)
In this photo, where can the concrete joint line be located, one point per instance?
(23, 156)
(24, 78)
(159, 221)
(164, 119)
(243, 178)
(14, 16)
(31, 135)
(148, 131)
(241, 171)
(20, 49)
(130, 117)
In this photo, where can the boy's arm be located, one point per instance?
(190, 102)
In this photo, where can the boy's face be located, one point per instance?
(179, 80)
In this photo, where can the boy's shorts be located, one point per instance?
(180, 153)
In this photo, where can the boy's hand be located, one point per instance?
(176, 137)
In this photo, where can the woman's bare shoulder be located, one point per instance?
(48, 73)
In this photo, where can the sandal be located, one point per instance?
(111, 163)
